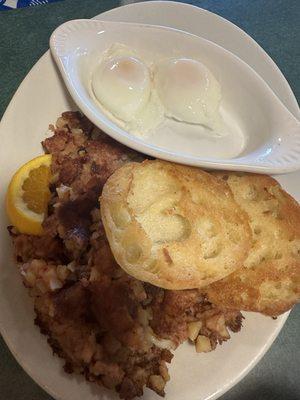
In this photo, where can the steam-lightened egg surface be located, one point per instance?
(188, 91)
(122, 85)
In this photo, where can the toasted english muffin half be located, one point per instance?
(269, 282)
(174, 226)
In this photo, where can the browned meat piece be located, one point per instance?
(116, 308)
(27, 247)
(234, 320)
(74, 219)
(71, 303)
(78, 158)
(83, 159)
(58, 316)
(58, 141)
(91, 348)
(172, 312)
(61, 140)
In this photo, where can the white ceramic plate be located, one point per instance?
(24, 125)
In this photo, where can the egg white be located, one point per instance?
(188, 91)
(122, 84)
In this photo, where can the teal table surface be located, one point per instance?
(274, 24)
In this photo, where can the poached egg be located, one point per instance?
(139, 93)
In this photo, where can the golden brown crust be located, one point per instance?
(174, 226)
(270, 280)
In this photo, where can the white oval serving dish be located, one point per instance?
(263, 135)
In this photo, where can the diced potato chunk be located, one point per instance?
(194, 329)
(203, 344)
(157, 383)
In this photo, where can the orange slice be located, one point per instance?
(28, 195)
